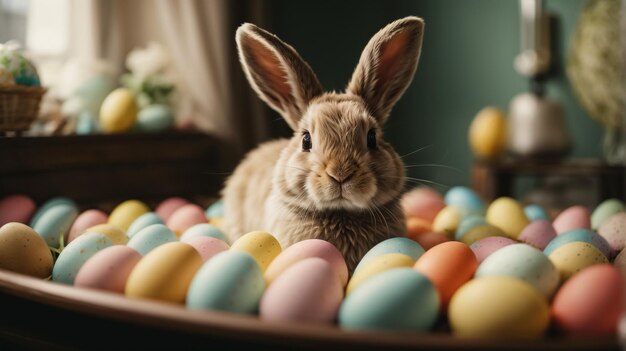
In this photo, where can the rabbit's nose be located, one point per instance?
(339, 177)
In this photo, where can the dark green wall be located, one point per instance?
(466, 64)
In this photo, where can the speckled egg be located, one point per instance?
(150, 238)
(16, 208)
(394, 245)
(23, 251)
(574, 257)
(582, 235)
(75, 254)
(605, 210)
(262, 246)
(85, 220)
(574, 217)
(116, 235)
(485, 247)
(480, 232)
(535, 213)
(538, 234)
(614, 231)
(378, 265)
(204, 229)
(108, 269)
(508, 215)
(146, 219)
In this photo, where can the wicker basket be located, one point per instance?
(19, 106)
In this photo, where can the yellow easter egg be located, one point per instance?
(446, 221)
(125, 213)
(508, 215)
(487, 133)
(165, 273)
(117, 236)
(575, 256)
(262, 246)
(498, 307)
(378, 265)
(118, 112)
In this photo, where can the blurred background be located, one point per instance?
(181, 54)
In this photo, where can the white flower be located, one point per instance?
(152, 60)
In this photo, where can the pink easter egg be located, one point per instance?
(422, 202)
(538, 234)
(185, 217)
(574, 217)
(206, 246)
(485, 247)
(168, 206)
(84, 221)
(16, 208)
(108, 269)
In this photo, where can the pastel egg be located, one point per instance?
(508, 215)
(538, 234)
(86, 124)
(54, 224)
(574, 217)
(118, 111)
(262, 246)
(378, 265)
(168, 206)
(574, 257)
(430, 239)
(411, 305)
(23, 251)
(620, 262)
(416, 226)
(307, 249)
(394, 245)
(614, 231)
(204, 229)
(108, 269)
(465, 200)
(116, 235)
(185, 217)
(480, 232)
(86, 220)
(487, 246)
(124, 214)
(583, 235)
(600, 289)
(307, 291)
(605, 210)
(16, 208)
(165, 273)
(206, 246)
(468, 223)
(498, 308)
(524, 262)
(215, 210)
(150, 238)
(535, 213)
(75, 254)
(49, 204)
(488, 133)
(448, 266)
(146, 219)
(447, 221)
(231, 281)
(154, 118)
(422, 202)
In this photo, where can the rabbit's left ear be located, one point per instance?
(387, 65)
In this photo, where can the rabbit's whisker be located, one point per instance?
(433, 165)
(415, 151)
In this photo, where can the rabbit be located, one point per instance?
(335, 179)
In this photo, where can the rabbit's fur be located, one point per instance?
(343, 183)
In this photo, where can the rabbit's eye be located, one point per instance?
(371, 139)
(306, 141)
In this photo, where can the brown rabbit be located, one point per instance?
(336, 179)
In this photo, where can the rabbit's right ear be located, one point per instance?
(277, 73)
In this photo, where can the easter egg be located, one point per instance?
(523, 262)
(262, 246)
(468, 223)
(115, 234)
(487, 246)
(538, 234)
(108, 269)
(307, 291)
(165, 273)
(465, 200)
(86, 124)
(572, 218)
(215, 210)
(480, 232)
(620, 262)
(430, 239)
(448, 266)
(498, 308)
(168, 206)
(54, 224)
(6, 78)
(394, 245)
(206, 246)
(605, 210)
(411, 305)
(184, 217)
(23, 251)
(16, 208)
(151, 237)
(146, 219)
(118, 112)
(613, 230)
(75, 254)
(422, 202)
(535, 212)
(416, 226)
(204, 229)
(307, 249)
(154, 118)
(583, 235)
(573, 257)
(84, 221)
(49, 204)
(231, 281)
(378, 265)
(488, 133)
(591, 302)
(21, 69)
(447, 221)
(508, 215)
(124, 214)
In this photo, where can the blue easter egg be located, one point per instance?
(536, 213)
(465, 200)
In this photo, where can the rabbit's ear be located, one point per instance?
(387, 65)
(276, 72)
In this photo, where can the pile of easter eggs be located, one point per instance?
(490, 271)
(120, 113)
(16, 69)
